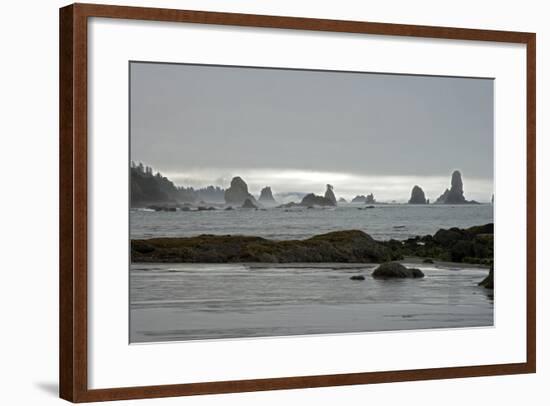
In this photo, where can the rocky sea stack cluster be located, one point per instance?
(153, 190)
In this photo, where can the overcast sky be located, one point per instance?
(298, 130)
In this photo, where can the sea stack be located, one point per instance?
(417, 196)
(312, 199)
(454, 195)
(329, 195)
(266, 197)
(237, 193)
(370, 199)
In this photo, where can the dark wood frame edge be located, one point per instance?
(73, 202)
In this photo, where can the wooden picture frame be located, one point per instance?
(73, 199)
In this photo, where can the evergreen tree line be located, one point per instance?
(147, 187)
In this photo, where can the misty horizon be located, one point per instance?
(284, 182)
(298, 130)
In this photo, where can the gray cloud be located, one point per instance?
(204, 119)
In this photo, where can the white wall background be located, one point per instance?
(28, 204)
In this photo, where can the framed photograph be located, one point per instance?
(255, 202)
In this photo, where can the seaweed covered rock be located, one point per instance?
(396, 270)
(471, 245)
(339, 246)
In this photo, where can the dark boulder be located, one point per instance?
(396, 270)
(484, 229)
(461, 250)
(448, 237)
(357, 278)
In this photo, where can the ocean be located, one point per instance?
(179, 302)
(383, 222)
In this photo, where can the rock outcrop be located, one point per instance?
(472, 245)
(417, 196)
(370, 199)
(315, 200)
(454, 195)
(329, 195)
(396, 270)
(364, 199)
(266, 197)
(237, 193)
(352, 246)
